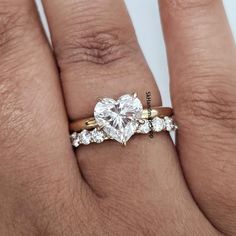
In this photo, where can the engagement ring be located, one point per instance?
(119, 120)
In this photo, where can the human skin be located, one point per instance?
(150, 187)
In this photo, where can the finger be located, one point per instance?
(36, 158)
(99, 56)
(202, 62)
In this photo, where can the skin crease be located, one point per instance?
(150, 187)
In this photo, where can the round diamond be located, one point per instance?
(158, 124)
(144, 128)
(75, 139)
(74, 135)
(169, 124)
(76, 143)
(85, 137)
(97, 136)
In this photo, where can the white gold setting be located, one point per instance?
(119, 120)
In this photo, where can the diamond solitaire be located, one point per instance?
(119, 120)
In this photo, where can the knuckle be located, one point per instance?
(99, 48)
(16, 23)
(92, 39)
(209, 101)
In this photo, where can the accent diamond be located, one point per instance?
(85, 137)
(98, 136)
(119, 118)
(144, 128)
(75, 139)
(158, 124)
(169, 124)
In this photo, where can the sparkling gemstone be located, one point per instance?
(98, 136)
(158, 124)
(169, 124)
(76, 143)
(74, 135)
(119, 118)
(75, 139)
(85, 137)
(144, 128)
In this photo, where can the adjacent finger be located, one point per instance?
(202, 61)
(36, 157)
(98, 56)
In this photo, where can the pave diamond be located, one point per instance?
(97, 136)
(158, 124)
(85, 137)
(119, 118)
(144, 128)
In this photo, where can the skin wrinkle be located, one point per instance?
(16, 118)
(125, 223)
(207, 102)
(178, 8)
(220, 163)
(211, 69)
(15, 24)
(96, 32)
(101, 48)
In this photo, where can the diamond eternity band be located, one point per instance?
(119, 120)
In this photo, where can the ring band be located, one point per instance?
(119, 120)
(90, 123)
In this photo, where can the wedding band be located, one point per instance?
(119, 120)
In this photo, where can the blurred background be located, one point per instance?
(146, 20)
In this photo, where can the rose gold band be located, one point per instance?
(90, 123)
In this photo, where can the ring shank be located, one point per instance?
(90, 123)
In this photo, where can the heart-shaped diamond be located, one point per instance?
(119, 119)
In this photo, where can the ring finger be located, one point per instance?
(99, 56)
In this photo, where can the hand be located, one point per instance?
(145, 188)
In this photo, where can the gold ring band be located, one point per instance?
(90, 123)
